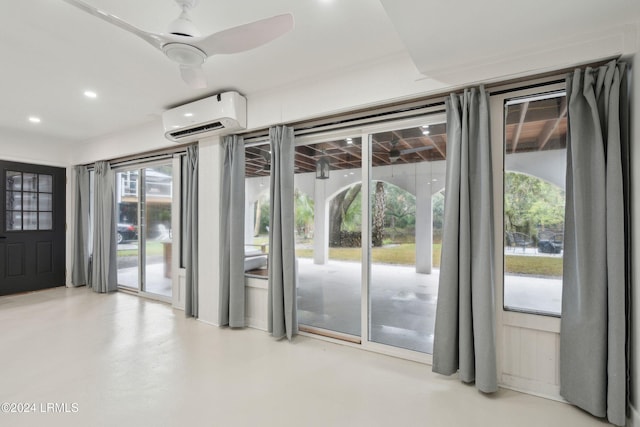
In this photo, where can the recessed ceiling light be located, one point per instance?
(349, 140)
(188, 114)
(425, 132)
(34, 119)
(90, 94)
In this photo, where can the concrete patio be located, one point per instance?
(402, 302)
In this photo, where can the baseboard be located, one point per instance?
(634, 418)
(207, 322)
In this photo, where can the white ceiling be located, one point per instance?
(51, 52)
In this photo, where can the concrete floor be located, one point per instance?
(120, 360)
(402, 302)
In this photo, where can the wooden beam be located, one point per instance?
(551, 126)
(516, 137)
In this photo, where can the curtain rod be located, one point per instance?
(147, 157)
(260, 136)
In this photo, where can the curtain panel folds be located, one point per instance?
(190, 234)
(104, 271)
(464, 338)
(595, 304)
(80, 270)
(232, 289)
(283, 317)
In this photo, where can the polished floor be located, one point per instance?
(78, 358)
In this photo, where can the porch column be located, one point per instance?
(320, 224)
(424, 229)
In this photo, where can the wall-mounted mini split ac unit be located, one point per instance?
(217, 114)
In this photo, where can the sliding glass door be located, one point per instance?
(144, 209)
(368, 226)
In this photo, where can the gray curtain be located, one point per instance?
(232, 293)
(80, 272)
(104, 265)
(464, 339)
(283, 317)
(594, 326)
(190, 232)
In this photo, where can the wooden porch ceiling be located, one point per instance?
(530, 126)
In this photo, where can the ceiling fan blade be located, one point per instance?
(244, 37)
(416, 149)
(156, 40)
(193, 76)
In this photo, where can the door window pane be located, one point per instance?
(14, 180)
(30, 220)
(534, 203)
(157, 231)
(45, 221)
(144, 234)
(44, 202)
(45, 183)
(328, 229)
(14, 220)
(30, 201)
(29, 182)
(408, 170)
(14, 200)
(127, 230)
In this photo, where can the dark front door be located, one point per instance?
(32, 220)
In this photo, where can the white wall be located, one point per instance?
(32, 148)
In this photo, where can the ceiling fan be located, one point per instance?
(395, 154)
(184, 45)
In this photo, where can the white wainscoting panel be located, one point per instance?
(256, 300)
(531, 361)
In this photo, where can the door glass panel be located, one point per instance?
(408, 170)
(30, 221)
(328, 224)
(45, 221)
(127, 234)
(45, 183)
(158, 185)
(29, 182)
(14, 180)
(30, 201)
(14, 200)
(44, 202)
(14, 220)
(144, 221)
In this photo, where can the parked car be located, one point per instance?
(127, 232)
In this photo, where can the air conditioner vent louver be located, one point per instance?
(197, 130)
(217, 114)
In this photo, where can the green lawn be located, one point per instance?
(404, 254)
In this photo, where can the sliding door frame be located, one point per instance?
(433, 116)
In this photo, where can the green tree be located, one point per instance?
(379, 208)
(304, 213)
(339, 211)
(531, 203)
